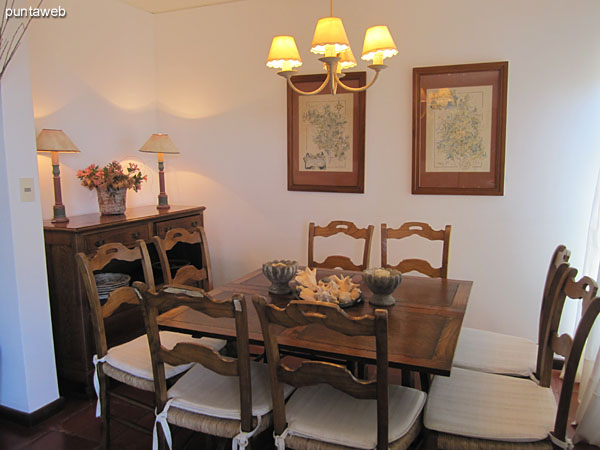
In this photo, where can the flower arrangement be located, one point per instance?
(112, 177)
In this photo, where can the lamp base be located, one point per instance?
(163, 202)
(60, 215)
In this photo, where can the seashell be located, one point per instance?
(307, 278)
(307, 294)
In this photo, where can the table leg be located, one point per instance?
(425, 381)
(407, 378)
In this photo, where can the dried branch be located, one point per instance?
(10, 44)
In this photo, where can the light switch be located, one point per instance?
(27, 193)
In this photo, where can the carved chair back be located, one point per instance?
(560, 256)
(574, 350)
(89, 264)
(338, 261)
(564, 285)
(170, 297)
(423, 230)
(302, 313)
(189, 274)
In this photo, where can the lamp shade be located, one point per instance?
(283, 53)
(347, 59)
(55, 141)
(329, 32)
(378, 40)
(159, 143)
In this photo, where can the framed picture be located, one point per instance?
(326, 136)
(459, 129)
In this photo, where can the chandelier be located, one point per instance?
(330, 40)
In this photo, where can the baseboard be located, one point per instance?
(33, 418)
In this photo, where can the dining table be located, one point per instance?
(423, 325)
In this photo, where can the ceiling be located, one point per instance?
(161, 6)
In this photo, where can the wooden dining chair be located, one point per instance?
(486, 351)
(331, 409)
(481, 410)
(188, 274)
(220, 396)
(423, 230)
(339, 261)
(127, 362)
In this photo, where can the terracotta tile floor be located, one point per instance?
(75, 427)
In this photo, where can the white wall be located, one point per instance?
(227, 112)
(94, 76)
(27, 370)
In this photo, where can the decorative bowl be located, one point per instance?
(280, 273)
(382, 282)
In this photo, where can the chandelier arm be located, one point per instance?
(359, 89)
(316, 91)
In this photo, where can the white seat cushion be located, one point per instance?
(134, 356)
(324, 413)
(489, 406)
(203, 391)
(486, 351)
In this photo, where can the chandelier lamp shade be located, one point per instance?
(331, 41)
(55, 142)
(160, 144)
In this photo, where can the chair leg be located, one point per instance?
(105, 410)
(430, 440)
(425, 381)
(407, 378)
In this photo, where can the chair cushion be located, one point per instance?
(486, 351)
(489, 406)
(324, 413)
(134, 356)
(206, 392)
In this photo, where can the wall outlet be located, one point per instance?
(26, 189)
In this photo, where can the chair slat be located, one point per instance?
(118, 297)
(315, 372)
(306, 312)
(185, 352)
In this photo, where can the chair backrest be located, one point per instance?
(338, 261)
(564, 285)
(173, 296)
(420, 265)
(560, 256)
(302, 313)
(189, 274)
(591, 312)
(89, 264)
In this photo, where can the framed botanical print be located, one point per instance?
(326, 136)
(459, 129)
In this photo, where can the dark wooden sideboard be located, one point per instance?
(73, 338)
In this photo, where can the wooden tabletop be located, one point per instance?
(423, 327)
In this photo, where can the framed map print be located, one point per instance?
(326, 136)
(459, 129)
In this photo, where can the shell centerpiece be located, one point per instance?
(280, 273)
(382, 282)
(332, 289)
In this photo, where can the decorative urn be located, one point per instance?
(382, 282)
(280, 273)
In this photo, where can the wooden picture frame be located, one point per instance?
(326, 136)
(459, 129)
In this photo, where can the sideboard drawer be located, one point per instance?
(126, 236)
(189, 223)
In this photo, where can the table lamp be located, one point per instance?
(55, 142)
(161, 144)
